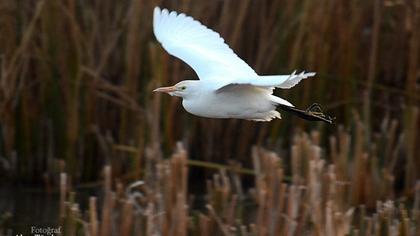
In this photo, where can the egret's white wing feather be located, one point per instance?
(271, 81)
(200, 47)
(294, 79)
(262, 91)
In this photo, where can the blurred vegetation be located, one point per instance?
(75, 95)
(319, 200)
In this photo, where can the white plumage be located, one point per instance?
(228, 86)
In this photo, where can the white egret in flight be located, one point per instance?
(227, 87)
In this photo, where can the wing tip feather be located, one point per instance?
(310, 74)
(156, 19)
(156, 13)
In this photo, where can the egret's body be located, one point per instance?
(228, 87)
(245, 102)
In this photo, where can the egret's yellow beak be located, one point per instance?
(166, 89)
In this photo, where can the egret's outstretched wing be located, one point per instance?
(200, 47)
(270, 81)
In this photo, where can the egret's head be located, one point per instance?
(182, 89)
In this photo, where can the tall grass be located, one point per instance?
(350, 196)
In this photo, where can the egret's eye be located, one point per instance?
(183, 87)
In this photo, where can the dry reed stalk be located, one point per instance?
(9, 37)
(225, 190)
(362, 223)
(106, 225)
(294, 198)
(150, 225)
(329, 224)
(239, 22)
(343, 221)
(373, 54)
(204, 225)
(127, 218)
(279, 224)
(302, 29)
(403, 226)
(309, 43)
(416, 209)
(134, 36)
(315, 137)
(93, 217)
(322, 54)
(167, 205)
(181, 204)
(330, 189)
(296, 164)
(268, 46)
(396, 152)
(413, 15)
(411, 141)
(343, 155)
(262, 208)
(244, 231)
(223, 228)
(237, 184)
(359, 169)
(369, 226)
(258, 171)
(224, 18)
(218, 199)
(138, 157)
(413, 12)
(171, 207)
(72, 210)
(316, 14)
(120, 191)
(231, 208)
(314, 190)
(246, 137)
(275, 178)
(153, 113)
(391, 139)
(253, 229)
(333, 149)
(63, 192)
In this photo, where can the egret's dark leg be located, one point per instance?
(313, 107)
(313, 113)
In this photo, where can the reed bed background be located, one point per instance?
(75, 98)
(342, 198)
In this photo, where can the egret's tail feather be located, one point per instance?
(280, 101)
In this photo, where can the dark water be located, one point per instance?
(20, 209)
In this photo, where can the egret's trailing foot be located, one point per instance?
(313, 113)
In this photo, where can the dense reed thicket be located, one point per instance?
(75, 95)
(350, 196)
